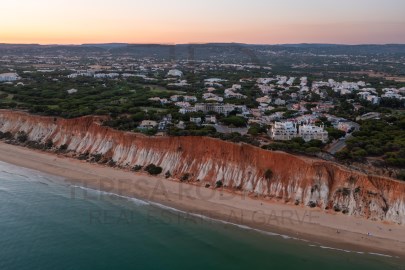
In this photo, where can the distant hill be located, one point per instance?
(210, 51)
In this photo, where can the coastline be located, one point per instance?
(327, 229)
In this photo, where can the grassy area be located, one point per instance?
(157, 89)
(7, 97)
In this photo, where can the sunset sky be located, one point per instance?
(192, 21)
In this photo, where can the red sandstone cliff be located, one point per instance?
(295, 179)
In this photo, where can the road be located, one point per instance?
(338, 145)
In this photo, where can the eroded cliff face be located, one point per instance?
(296, 180)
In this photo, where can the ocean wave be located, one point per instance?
(382, 255)
(134, 200)
(27, 174)
(352, 251)
(266, 232)
(14, 174)
(5, 190)
(244, 227)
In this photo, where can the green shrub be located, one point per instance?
(22, 137)
(401, 175)
(137, 168)
(111, 163)
(49, 144)
(236, 121)
(335, 133)
(185, 177)
(7, 135)
(256, 129)
(313, 150)
(34, 145)
(268, 174)
(152, 169)
(63, 147)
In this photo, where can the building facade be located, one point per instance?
(310, 132)
(283, 131)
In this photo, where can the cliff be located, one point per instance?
(297, 180)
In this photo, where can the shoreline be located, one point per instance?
(332, 230)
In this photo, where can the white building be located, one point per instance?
(182, 83)
(264, 80)
(185, 98)
(161, 100)
(265, 99)
(81, 73)
(175, 98)
(196, 120)
(229, 93)
(148, 124)
(310, 132)
(211, 119)
(392, 94)
(219, 108)
(283, 131)
(106, 75)
(291, 81)
(190, 98)
(282, 80)
(369, 116)
(9, 77)
(212, 97)
(182, 104)
(214, 80)
(72, 91)
(374, 99)
(236, 87)
(304, 81)
(175, 73)
(187, 110)
(279, 102)
(265, 88)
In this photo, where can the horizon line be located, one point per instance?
(200, 43)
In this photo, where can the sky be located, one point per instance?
(201, 21)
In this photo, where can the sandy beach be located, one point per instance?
(327, 229)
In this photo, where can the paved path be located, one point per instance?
(339, 145)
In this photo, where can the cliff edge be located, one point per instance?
(293, 179)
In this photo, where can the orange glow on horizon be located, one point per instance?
(197, 21)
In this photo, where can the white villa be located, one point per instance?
(219, 108)
(8, 77)
(175, 73)
(71, 91)
(310, 132)
(283, 131)
(196, 120)
(148, 124)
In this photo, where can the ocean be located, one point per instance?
(48, 223)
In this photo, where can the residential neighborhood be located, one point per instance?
(289, 108)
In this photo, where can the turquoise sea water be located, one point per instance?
(43, 226)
